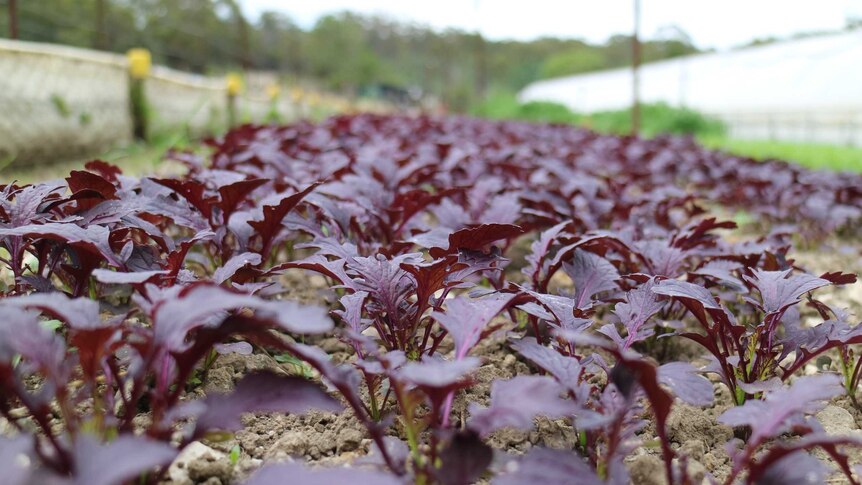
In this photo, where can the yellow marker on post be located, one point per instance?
(234, 87)
(234, 84)
(296, 94)
(273, 91)
(140, 63)
(313, 99)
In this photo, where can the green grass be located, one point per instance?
(656, 118)
(811, 155)
(137, 159)
(661, 118)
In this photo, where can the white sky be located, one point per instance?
(710, 23)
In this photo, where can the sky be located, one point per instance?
(710, 23)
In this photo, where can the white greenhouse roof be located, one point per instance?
(820, 74)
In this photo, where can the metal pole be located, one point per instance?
(100, 40)
(481, 81)
(13, 19)
(636, 61)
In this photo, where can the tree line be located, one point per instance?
(345, 51)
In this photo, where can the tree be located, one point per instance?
(573, 62)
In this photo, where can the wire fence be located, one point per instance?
(836, 127)
(59, 102)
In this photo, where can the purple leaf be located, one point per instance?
(682, 289)
(839, 278)
(561, 310)
(539, 250)
(797, 468)
(760, 386)
(772, 466)
(475, 238)
(281, 473)
(779, 289)
(79, 313)
(395, 448)
(352, 313)
(384, 279)
(464, 459)
(809, 342)
(566, 370)
(241, 348)
(118, 461)
(234, 193)
(684, 381)
(39, 347)
(664, 260)
(269, 225)
(640, 305)
(92, 238)
(437, 373)
(263, 392)
(770, 416)
(503, 209)
(14, 459)
(466, 319)
(548, 467)
(515, 402)
(235, 264)
(591, 274)
(197, 306)
(721, 270)
(127, 278)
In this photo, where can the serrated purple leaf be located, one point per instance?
(281, 473)
(465, 319)
(352, 313)
(591, 274)
(15, 459)
(127, 278)
(768, 417)
(79, 313)
(438, 373)
(721, 270)
(547, 466)
(683, 289)
(566, 370)
(464, 459)
(241, 348)
(781, 289)
(263, 392)
(562, 310)
(515, 402)
(634, 313)
(196, 306)
(756, 387)
(93, 238)
(118, 461)
(686, 383)
(796, 468)
(235, 264)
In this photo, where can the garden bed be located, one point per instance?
(433, 300)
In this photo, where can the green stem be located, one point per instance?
(372, 394)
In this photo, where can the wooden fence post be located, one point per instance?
(234, 88)
(140, 63)
(273, 92)
(13, 19)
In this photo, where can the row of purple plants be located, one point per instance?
(586, 252)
